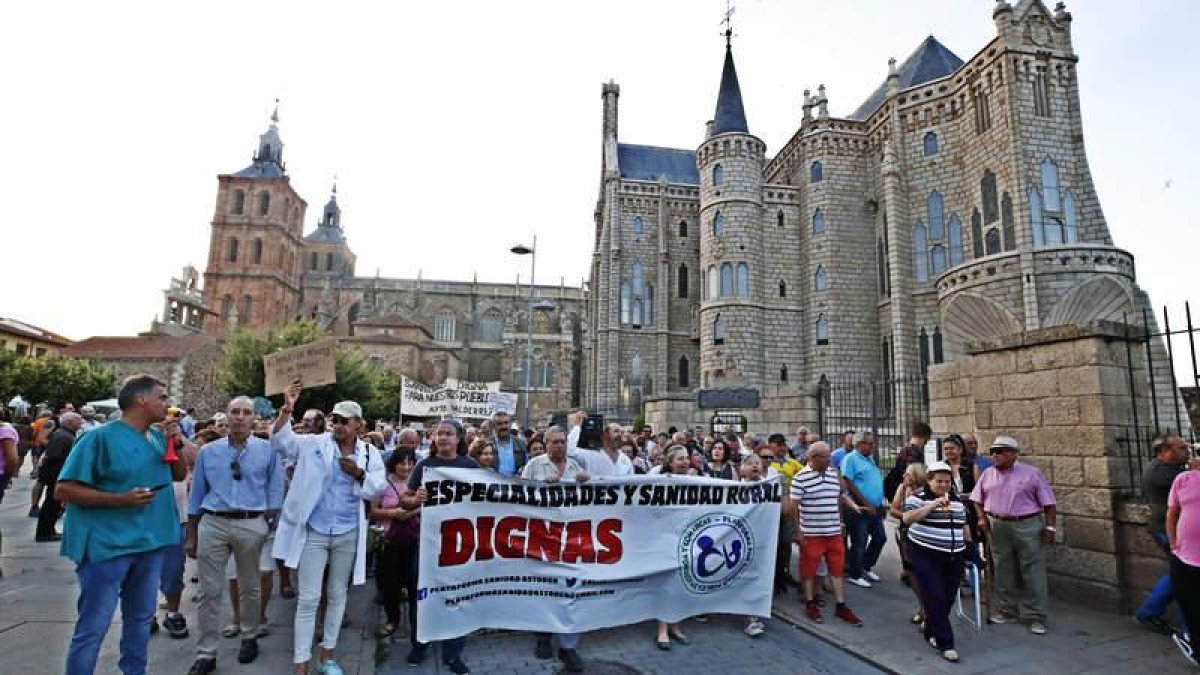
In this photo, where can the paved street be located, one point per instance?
(37, 613)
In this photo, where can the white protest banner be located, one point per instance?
(500, 552)
(453, 398)
(312, 364)
(502, 401)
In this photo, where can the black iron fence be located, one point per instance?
(886, 407)
(1154, 360)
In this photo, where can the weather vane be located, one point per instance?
(728, 21)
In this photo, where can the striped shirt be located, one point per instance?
(818, 496)
(942, 529)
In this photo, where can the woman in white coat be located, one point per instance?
(324, 520)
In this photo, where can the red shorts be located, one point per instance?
(832, 548)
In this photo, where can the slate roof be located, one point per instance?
(326, 235)
(261, 170)
(647, 162)
(930, 61)
(730, 115)
(139, 347)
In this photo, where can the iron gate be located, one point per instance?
(887, 407)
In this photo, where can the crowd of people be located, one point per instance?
(325, 500)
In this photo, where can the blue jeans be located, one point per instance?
(133, 579)
(862, 555)
(171, 582)
(1163, 592)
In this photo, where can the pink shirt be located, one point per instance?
(7, 433)
(1020, 491)
(1185, 494)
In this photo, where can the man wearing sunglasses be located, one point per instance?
(324, 520)
(237, 481)
(1017, 507)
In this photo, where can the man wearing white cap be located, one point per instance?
(1017, 508)
(323, 519)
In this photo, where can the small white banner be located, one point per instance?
(453, 398)
(500, 552)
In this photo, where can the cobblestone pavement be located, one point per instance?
(718, 647)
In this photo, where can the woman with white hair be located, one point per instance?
(676, 462)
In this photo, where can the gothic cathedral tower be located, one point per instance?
(730, 163)
(253, 273)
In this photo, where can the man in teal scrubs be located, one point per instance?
(120, 517)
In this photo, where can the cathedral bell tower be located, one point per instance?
(730, 162)
(253, 270)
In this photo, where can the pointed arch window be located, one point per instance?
(954, 234)
(718, 224)
(635, 368)
(987, 193)
(933, 207)
(639, 317)
(683, 228)
(256, 250)
(626, 300)
(923, 349)
(1070, 222)
(491, 327)
(937, 259)
(743, 280)
(684, 373)
(782, 289)
(719, 330)
(714, 283)
(783, 373)
(637, 279)
(930, 144)
(992, 241)
(649, 297)
(639, 225)
(920, 253)
(682, 282)
(779, 218)
(239, 202)
(818, 221)
(820, 279)
(546, 375)
(264, 203)
(726, 280)
(718, 175)
(1051, 200)
(1035, 217)
(816, 172)
(822, 330)
(881, 262)
(1007, 226)
(443, 326)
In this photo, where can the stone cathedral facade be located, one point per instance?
(953, 205)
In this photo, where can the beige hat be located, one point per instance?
(1005, 443)
(347, 409)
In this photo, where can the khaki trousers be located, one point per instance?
(216, 540)
(1020, 567)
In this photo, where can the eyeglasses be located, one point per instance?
(998, 451)
(769, 458)
(338, 419)
(236, 467)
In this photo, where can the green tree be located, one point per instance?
(358, 378)
(54, 379)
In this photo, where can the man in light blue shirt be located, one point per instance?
(863, 480)
(510, 450)
(237, 481)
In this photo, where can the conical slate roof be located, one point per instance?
(930, 61)
(730, 115)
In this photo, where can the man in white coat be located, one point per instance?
(323, 519)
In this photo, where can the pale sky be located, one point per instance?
(457, 129)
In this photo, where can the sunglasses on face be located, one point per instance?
(998, 451)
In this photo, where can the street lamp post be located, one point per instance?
(531, 251)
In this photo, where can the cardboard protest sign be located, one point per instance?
(312, 364)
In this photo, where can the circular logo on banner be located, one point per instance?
(713, 551)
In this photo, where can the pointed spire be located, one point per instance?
(730, 115)
(275, 114)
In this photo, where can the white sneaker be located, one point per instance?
(871, 576)
(755, 629)
(950, 655)
(1037, 627)
(857, 581)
